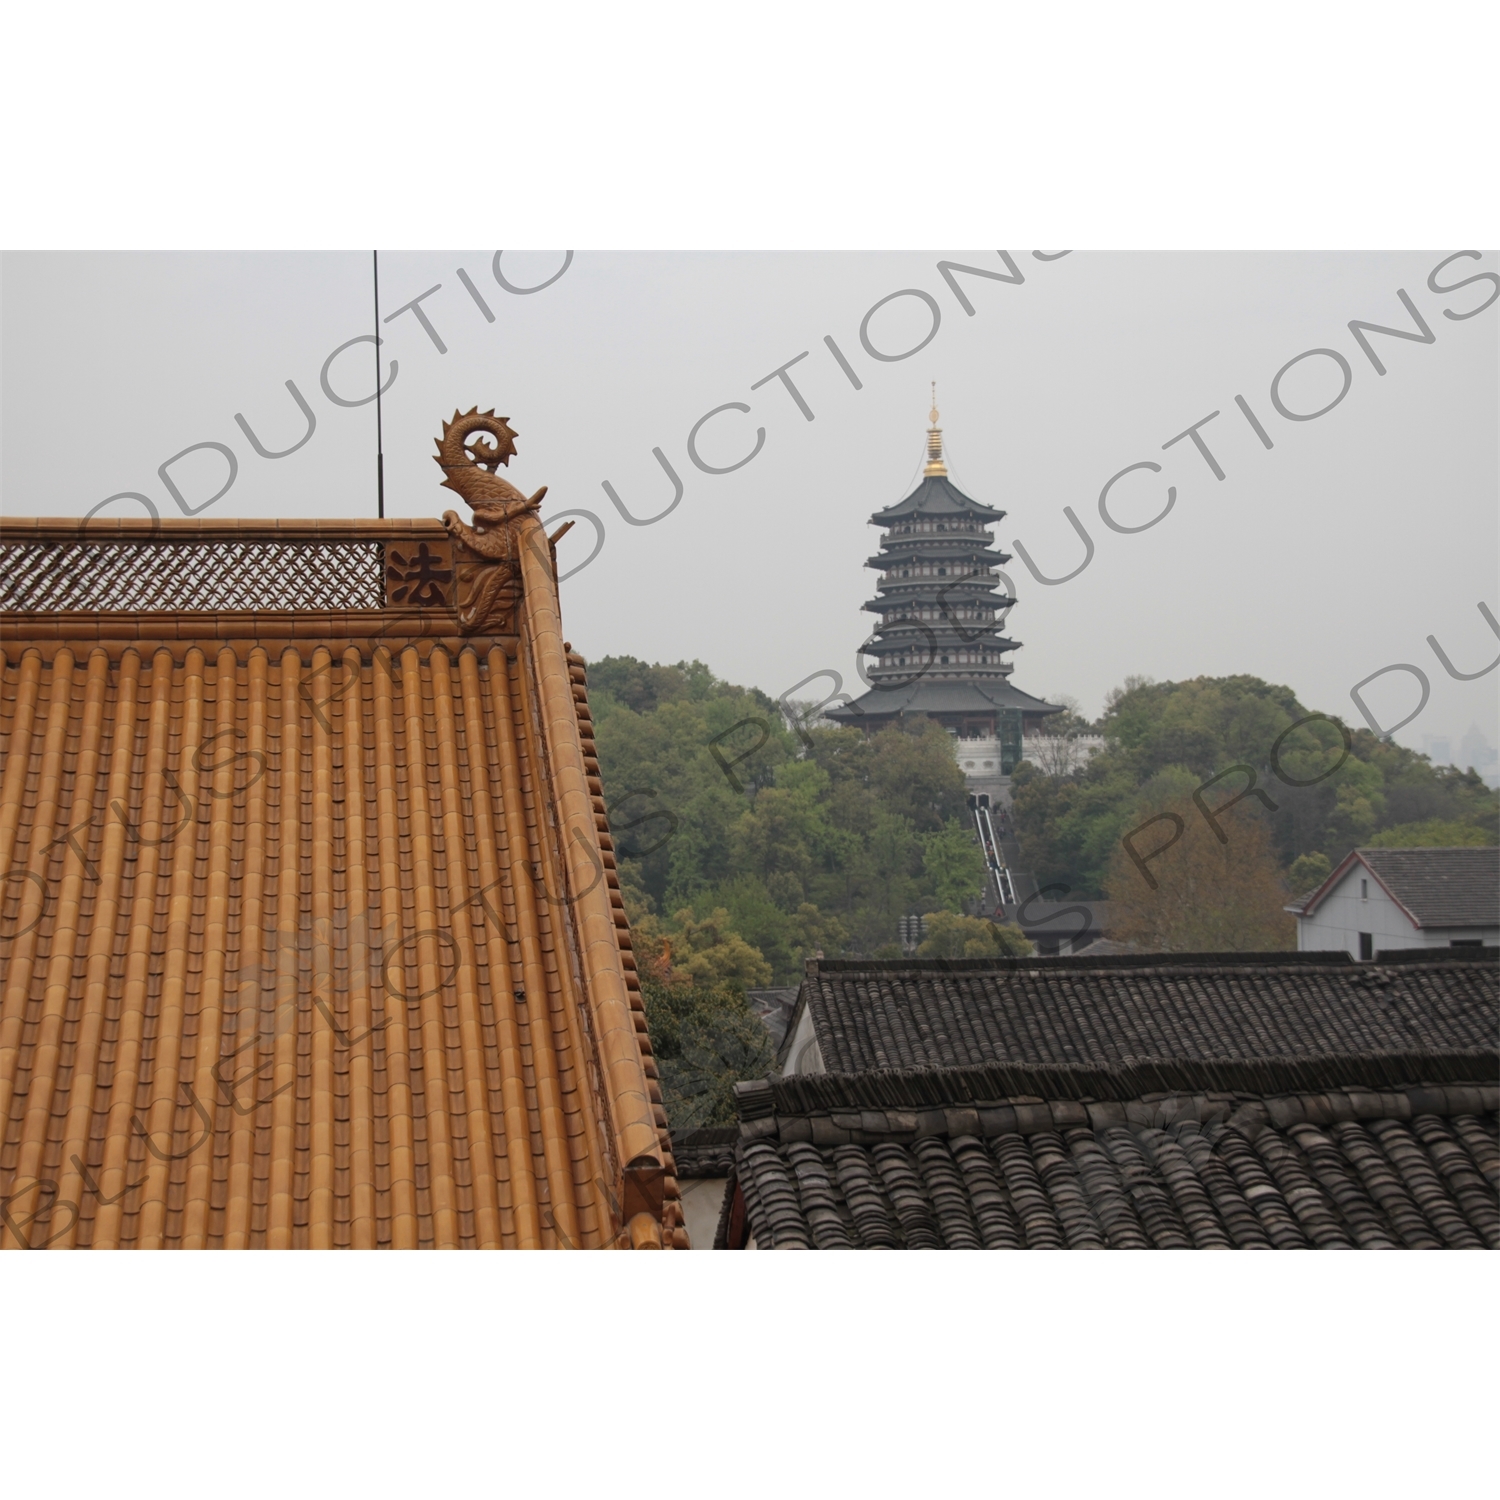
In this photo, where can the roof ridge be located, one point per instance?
(1130, 1080)
(1336, 958)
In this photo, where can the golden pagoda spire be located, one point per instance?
(935, 464)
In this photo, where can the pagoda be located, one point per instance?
(939, 648)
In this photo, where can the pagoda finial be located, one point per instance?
(935, 464)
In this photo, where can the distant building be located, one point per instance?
(774, 1007)
(1438, 748)
(1387, 899)
(1475, 752)
(938, 647)
(1060, 928)
(1482, 756)
(1060, 755)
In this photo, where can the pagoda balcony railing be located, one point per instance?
(983, 578)
(957, 630)
(978, 541)
(926, 533)
(951, 619)
(936, 671)
(939, 547)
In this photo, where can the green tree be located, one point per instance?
(950, 935)
(1308, 872)
(1434, 833)
(710, 951)
(954, 864)
(663, 768)
(1353, 786)
(706, 1038)
(1198, 895)
(785, 938)
(915, 773)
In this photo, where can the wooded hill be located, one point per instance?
(1321, 788)
(731, 825)
(747, 844)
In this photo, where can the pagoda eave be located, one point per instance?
(884, 560)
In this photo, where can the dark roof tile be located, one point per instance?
(1441, 887)
(1222, 1174)
(874, 1017)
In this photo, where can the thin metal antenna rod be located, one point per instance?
(379, 430)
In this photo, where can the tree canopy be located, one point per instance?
(748, 843)
(1333, 788)
(1182, 885)
(951, 936)
(705, 1038)
(794, 842)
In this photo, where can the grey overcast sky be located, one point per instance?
(1314, 563)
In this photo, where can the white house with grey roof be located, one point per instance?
(1385, 899)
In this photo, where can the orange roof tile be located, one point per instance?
(310, 923)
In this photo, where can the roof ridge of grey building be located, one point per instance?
(869, 1017)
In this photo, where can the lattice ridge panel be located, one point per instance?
(142, 576)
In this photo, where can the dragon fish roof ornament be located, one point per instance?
(486, 553)
(469, 463)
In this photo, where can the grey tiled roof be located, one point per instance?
(774, 1007)
(1441, 887)
(1415, 1167)
(871, 1016)
(708, 1152)
(939, 695)
(936, 495)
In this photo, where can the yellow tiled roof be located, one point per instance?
(311, 929)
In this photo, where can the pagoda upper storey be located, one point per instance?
(934, 502)
(938, 597)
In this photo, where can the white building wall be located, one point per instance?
(1057, 755)
(979, 760)
(804, 1054)
(979, 757)
(702, 1203)
(1345, 912)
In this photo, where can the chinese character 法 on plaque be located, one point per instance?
(418, 578)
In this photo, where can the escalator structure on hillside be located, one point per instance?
(1000, 886)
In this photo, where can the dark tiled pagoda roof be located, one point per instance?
(941, 548)
(937, 495)
(872, 1015)
(1436, 887)
(935, 696)
(837, 1163)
